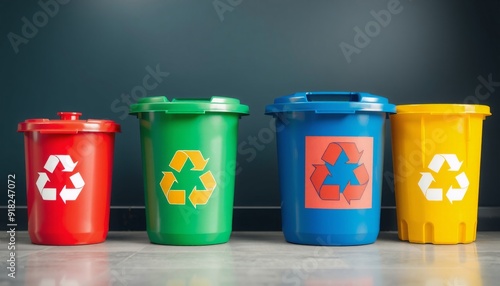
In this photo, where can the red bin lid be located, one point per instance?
(69, 123)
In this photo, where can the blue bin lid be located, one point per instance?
(331, 102)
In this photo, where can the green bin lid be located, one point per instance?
(189, 105)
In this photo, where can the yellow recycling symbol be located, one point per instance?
(197, 197)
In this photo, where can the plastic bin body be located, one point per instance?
(436, 159)
(68, 178)
(189, 160)
(330, 154)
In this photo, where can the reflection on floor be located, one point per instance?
(252, 258)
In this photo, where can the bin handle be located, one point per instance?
(335, 96)
(58, 131)
(187, 100)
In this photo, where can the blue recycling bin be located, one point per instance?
(330, 157)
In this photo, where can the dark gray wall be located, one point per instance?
(89, 56)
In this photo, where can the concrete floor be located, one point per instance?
(252, 258)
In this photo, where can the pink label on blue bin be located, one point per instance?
(338, 172)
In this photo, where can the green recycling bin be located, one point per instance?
(189, 160)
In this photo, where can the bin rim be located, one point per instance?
(443, 108)
(69, 122)
(189, 105)
(331, 102)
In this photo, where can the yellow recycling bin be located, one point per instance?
(436, 157)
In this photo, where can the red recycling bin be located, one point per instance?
(68, 178)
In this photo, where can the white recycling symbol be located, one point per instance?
(436, 194)
(50, 194)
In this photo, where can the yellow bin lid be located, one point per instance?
(443, 109)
